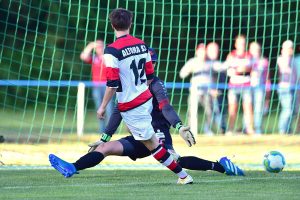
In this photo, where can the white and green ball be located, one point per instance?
(274, 162)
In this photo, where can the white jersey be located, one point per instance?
(129, 67)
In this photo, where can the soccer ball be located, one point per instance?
(274, 162)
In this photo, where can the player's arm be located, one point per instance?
(86, 54)
(149, 69)
(109, 93)
(113, 80)
(160, 93)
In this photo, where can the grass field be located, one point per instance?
(141, 184)
(121, 178)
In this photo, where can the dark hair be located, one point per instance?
(120, 19)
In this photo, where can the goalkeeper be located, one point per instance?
(163, 116)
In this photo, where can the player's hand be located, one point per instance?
(186, 134)
(160, 136)
(94, 145)
(104, 138)
(101, 112)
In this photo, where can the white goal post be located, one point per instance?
(80, 108)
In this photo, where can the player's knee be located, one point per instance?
(104, 148)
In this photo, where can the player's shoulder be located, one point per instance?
(126, 46)
(125, 41)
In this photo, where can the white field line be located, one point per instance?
(230, 179)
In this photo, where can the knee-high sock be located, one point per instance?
(88, 160)
(164, 157)
(194, 163)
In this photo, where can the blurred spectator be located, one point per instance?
(287, 80)
(98, 76)
(219, 80)
(239, 69)
(260, 83)
(201, 78)
(297, 110)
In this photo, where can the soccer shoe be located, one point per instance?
(65, 168)
(230, 168)
(186, 180)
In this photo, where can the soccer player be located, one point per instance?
(129, 69)
(163, 116)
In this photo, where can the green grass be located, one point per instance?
(158, 184)
(43, 125)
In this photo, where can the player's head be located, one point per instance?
(153, 55)
(200, 51)
(212, 51)
(120, 19)
(240, 43)
(287, 48)
(99, 47)
(255, 49)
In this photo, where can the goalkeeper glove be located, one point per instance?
(186, 134)
(104, 138)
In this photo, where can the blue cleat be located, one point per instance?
(65, 168)
(230, 168)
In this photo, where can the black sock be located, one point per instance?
(194, 163)
(88, 160)
(218, 167)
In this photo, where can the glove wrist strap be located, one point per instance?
(105, 137)
(178, 126)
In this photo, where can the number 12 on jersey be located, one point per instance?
(138, 75)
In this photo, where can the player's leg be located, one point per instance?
(93, 158)
(89, 160)
(222, 166)
(195, 163)
(165, 158)
(138, 121)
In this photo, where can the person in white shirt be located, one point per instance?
(199, 89)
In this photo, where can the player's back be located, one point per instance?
(129, 63)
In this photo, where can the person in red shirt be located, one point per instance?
(98, 77)
(239, 70)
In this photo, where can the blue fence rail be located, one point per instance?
(74, 83)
